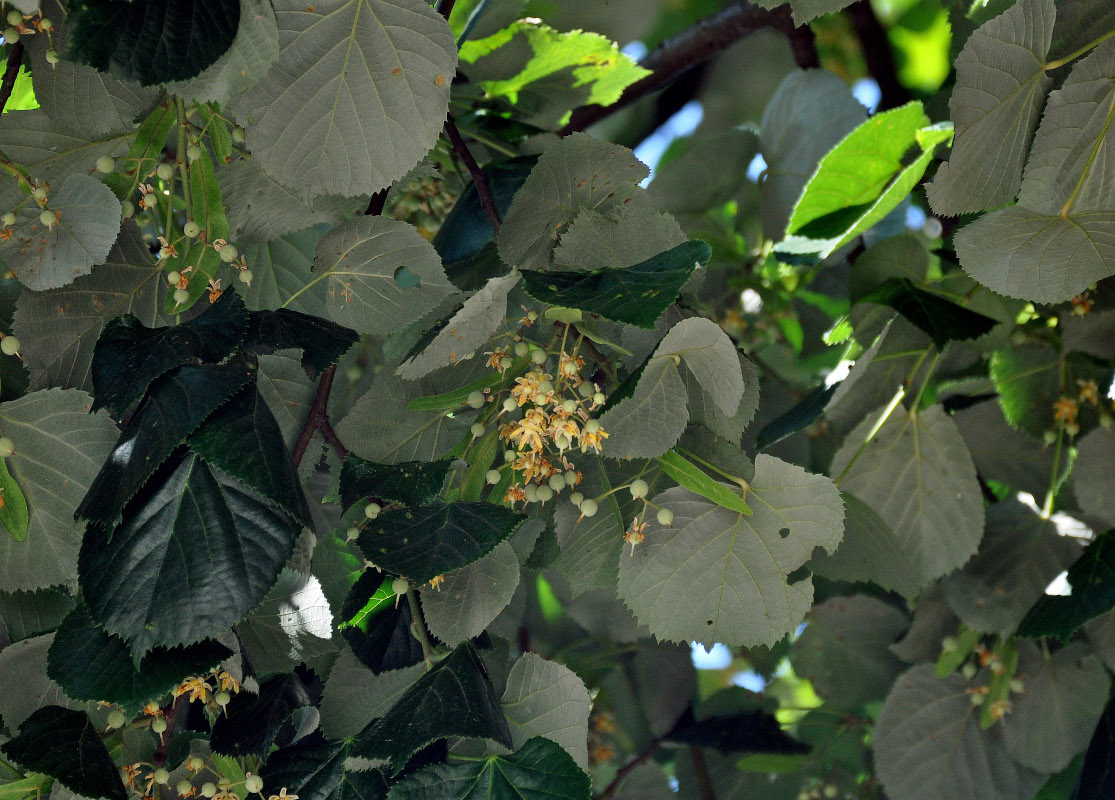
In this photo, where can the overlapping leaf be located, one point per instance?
(543, 698)
(1091, 581)
(282, 713)
(354, 695)
(377, 626)
(322, 343)
(416, 483)
(317, 771)
(471, 597)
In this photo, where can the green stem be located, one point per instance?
(418, 627)
(1060, 62)
(180, 156)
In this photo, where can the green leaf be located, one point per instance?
(27, 614)
(1092, 583)
(24, 682)
(844, 651)
(13, 513)
(802, 414)
(913, 463)
(1001, 82)
(371, 78)
(543, 698)
(927, 742)
(637, 295)
(22, 97)
(129, 355)
(677, 581)
(354, 695)
(455, 698)
(1028, 381)
(287, 390)
(414, 483)
(145, 152)
(67, 746)
(691, 477)
(82, 235)
(200, 535)
(539, 770)
(91, 664)
(621, 237)
(943, 320)
(1002, 453)
(806, 10)
(576, 173)
(175, 407)
(424, 542)
(157, 41)
(381, 275)
(282, 713)
(59, 327)
(465, 604)
(1053, 719)
(243, 439)
(1020, 554)
(199, 260)
(316, 771)
(59, 447)
(376, 625)
(1097, 778)
(652, 419)
(466, 230)
(751, 731)
(322, 342)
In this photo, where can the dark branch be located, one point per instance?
(445, 7)
(318, 420)
(878, 54)
(700, 769)
(479, 179)
(7, 86)
(803, 44)
(628, 768)
(699, 42)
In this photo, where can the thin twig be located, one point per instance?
(803, 44)
(878, 54)
(700, 770)
(7, 86)
(318, 419)
(628, 768)
(479, 179)
(699, 42)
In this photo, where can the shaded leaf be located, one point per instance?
(753, 731)
(941, 319)
(376, 625)
(470, 598)
(1092, 483)
(316, 771)
(412, 483)
(354, 695)
(322, 342)
(24, 685)
(282, 713)
(27, 614)
(1097, 776)
(804, 413)
(1091, 579)
(466, 229)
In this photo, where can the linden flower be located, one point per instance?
(1081, 305)
(526, 387)
(592, 436)
(437, 581)
(6, 234)
(196, 686)
(129, 773)
(282, 795)
(1065, 410)
(495, 358)
(214, 290)
(636, 535)
(1089, 392)
(228, 682)
(516, 494)
(531, 428)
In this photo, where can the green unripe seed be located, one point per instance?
(246, 276)
(545, 387)
(127, 209)
(14, 17)
(9, 345)
(238, 134)
(158, 725)
(539, 356)
(229, 253)
(193, 152)
(208, 789)
(191, 229)
(509, 456)
(592, 426)
(106, 164)
(569, 406)
(46, 24)
(52, 57)
(161, 776)
(576, 498)
(1017, 685)
(505, 363)
(475, 399)
(351, 534)
(532, 315)
(477, 429)
(254, 784)
(949, 644)
(224, 783)
(400, 586)
(48, 218)
(117, 719)
(164, 171)
(371, 511)
(588, 508)
(7, 447)
(509, 405)
(181, 296)
(557, 482)
(571, 478)
(521, 349)
(639, 488)
(531, 492)
(183, 787)
(545, 493)
(977, 699)
(493, 476)
(39, 193)
(968, 670)
(11, 35)
(585, 389)
(539, 399)
(598, 398)
(562, 441)
(8, 219)
(570, 369)
(665, 516)
(173, 277)
(222, 698)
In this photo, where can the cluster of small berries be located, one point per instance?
(142, 779)
(20, 25)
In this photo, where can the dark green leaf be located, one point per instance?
(1092, 579)
(803, 413)
(282, 713)
(244, 440)
(943, 320)
(67, 746)
(89, 663)
(637, 295)
(316, 771)
(1097, 776)
(424, 542)
(376, 625)
(176, 405)
(455, 698)
(27, 614)
(322, 342)
(412, 483)
(155, 41)
(752, 731)
(129, 355)
(466, 230)
(539, 770)
(196, 555)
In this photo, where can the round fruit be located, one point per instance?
(598, 398)
(509, 456)
(1017, 685)
(351, 534)
(164, 171)
(505, 363)
(191, 229)
(11, 35)
(545, 387)
(208, 789)
(545, 493)
(254, 784)
(237, 134)
(39, 193)
(588, 508)
(538, 356)
(193, 152)
(222, 698)
(371, 511)
(48, 218)
(117, 719)
(665, 516)
(557, 482)
(9, 345)
(158, 725)
(173, 277)
(539, 399)
(14, 17)
(521, 349)
(592, 426)
(562, 441)
(181, 296)
(477, 429)
(52, 57)
(229, 253)
(400, 586)
(127, 209)
(184, 787)
(493, 476)
(977, 699)
(164, 252)
(476, 399)
(509, 405)
(570, 369)
(7, 447)
(106, 164)
(576, 498)
(246, 276)
(196, 763)
(949, 643)
(532, 315)
(571, 478)
(639, 488)
(585, 389)
(161, 776)
(569, 406)
(968, 670)
(46, 24)
(531, 493)
(8, 219)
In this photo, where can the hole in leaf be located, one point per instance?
(406, 279)
(784, 532)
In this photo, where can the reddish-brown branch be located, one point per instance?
(699, 42)
(803, 44)
(7, 85)
(878, 54)
(318, 420)
(479, 179)
(628, 768)
(168, 716)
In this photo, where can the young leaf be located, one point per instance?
(200, 260)
(691, 477)
(91, 664)
(129, 356)
(539, 770)
(67, 746)
(1092, 583)
(543, 698)
(414, 483)
(322, 342)
(317, 770)
(199, 552)
(424, 542)
(371, 78)
(637, 295)
(455, 698)
(942, 320)
(283, 712)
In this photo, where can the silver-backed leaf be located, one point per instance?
(354, 695)
(622, 236)
(652, 419)
(470, 598)
(543, 698)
